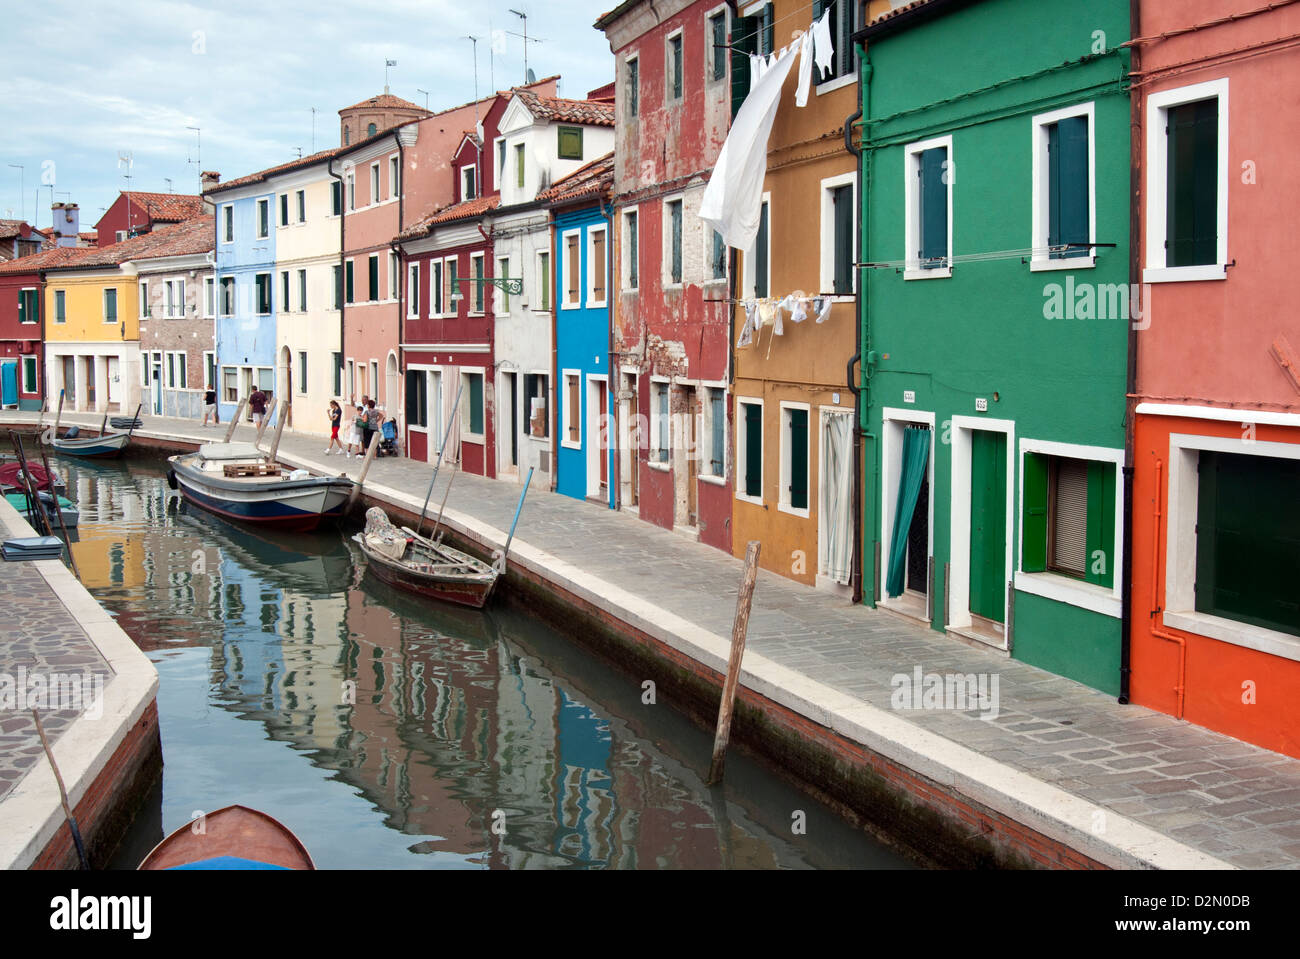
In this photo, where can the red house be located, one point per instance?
(133, 213)
(22, 288)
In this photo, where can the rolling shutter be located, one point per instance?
(1070, 517)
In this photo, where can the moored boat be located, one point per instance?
(408, 561)
(106, 444)
(240, 482)
(234, 837)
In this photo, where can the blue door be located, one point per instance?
(9, 383)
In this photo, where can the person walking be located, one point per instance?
(354, 437)
(335, 413)
(210, 407)
(257, 406)
(374, 419)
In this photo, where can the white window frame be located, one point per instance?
(666, 220)
(60, 299)
(478, 291)
(1158, 105)
(375, 192)
(257, 222)
(464, 412)
(300, 201)
(270, 298)
(566, 267)
(28, 385)
(1042, 183)
(624, 251)
(300, 381)
(787, 461)
(210, 363)
(500, 156)
(503, 273)
(116, 304)
(234, 296)
(828, 234)
(592, 302)
(282, 203)
(209, 297)
(437, 291)
(566, 415)
(1180, 561)
(472, 170)
(708, 44)
(302, 290)
(228, 223)
(750, 265)
(669, 99)
(627, 68)
(912, 208)
(454, 295)
(742, 450)
(706, 434)
(959, 519)
(352, 191)
(544, 268)
(144, 300)
(394, 176)
(394, 277)
(1057, 586)
(655, 416)
(413, 290)
(286, 292)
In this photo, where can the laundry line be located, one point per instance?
(1036, 251)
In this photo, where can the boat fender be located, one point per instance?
(300, 475)
(171, 479)
(72, 433)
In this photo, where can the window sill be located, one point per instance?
(597, 304)
(571, 444)
(1073, 592)
(752, 500)
(1073, 263)
(467, 437)
(714, 480)
(787, 508)
(1238, 634)
(943, 274)
(570, 306)
(828, 86)
(539, 440)
(1185, 274)
(661, 467)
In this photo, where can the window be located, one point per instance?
(120, 235)
(337, 361)
(842, 26)
(60, 306)
(715, 428)
(716, 57)
(348, 285)
(302, 371)
(394, 276)
(302, 290)
(413, 291)
(543, 281)
(228, 224)
(837, 234)
(352, 191)
(476, 297)
(568, 143)
(374, 182)
(110, 305)
(468, 183)
(1063, 189)
(227, 296)
(175, 299)
(230, 384)
(571, 413)
(660, 422)
(438, 305)
(502, 297)
(347, 135)
(633, 86)
(284, 209)
(417, 398)
(372, 275)
(928, 193)
(171, 371)
(631, 261)
(28, 312)
(263, 219)
(29, 374)
(394, 177)
(571, 269)
(336, 275)
(336, 198)
(301, 196)
(717, 257)
(501, 162)
(674, 238)
(757, 261)
(596, 267)
(284, 291)
(144, 300)
(1068, 517)
(1187, 183)
(374, 379)
(453, 285)
(263, 292)
(794, 459)
(370, 129)
(519, 165)
(209, 294)
(471, 410)
(674, 68)
(749, 450)
(536, 388)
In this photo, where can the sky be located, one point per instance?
(92, 80)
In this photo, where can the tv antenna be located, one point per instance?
(524, 35)
(168, 181)
(22, 189)
(478, 139)
(313, 129)
(426, 96)
(387, 64)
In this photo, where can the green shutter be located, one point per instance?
(569, 143)
(1192, 170)
(349, 283)
(769, 29)
(717, 55)
(760, 255)
(1101, 524)
(988, 525)
(373, 287)
(1068, 185)
(744, 41)
(933, 250)
(677, 241)
(1033, 522)
(475, 403)
(753, 450)
(842, 197)
(799, 459)
(22, 306)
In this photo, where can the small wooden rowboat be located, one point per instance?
(107, 444)
(235, 837)
(406, 560)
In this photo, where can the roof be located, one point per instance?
(192, 236)
(169, 207)
(590, 112)
(11, 228)
(605, 19)
(261, 176)
(46, 259)
(594, 179)
(900, 18)
(385, 101)
(465, 210)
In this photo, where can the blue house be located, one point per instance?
(582, 240)
(244, 289)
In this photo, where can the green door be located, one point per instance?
(988, 524)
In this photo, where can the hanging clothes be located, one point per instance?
(824, 309)
(757, 67)
(747, 331)
(805, 69)
(821, 33)
(733, 201)
(799, 312)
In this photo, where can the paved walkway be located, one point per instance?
(1056, 747)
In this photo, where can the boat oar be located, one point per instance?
(35, 508)
(63, 793)
(103, 426)
(58, 416)
(442, 506)
(135, 419)
(58, 508)
(234, 420)
(438, 465)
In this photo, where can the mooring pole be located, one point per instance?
(419, 527)
(234, 420)
(59, 415)
(266, 418)
(365, 467)
(279, 428)
(63, 792)
(738, 630)
(58, 508)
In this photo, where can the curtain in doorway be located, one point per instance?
(916, 458)
(837, 495)
(450, 385)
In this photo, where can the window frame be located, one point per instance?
(566, 269)
(270, 295)
(544, 376)
(394, 176)
(590, 248)
(300, 201)
(413, 290)
(302, 290)
(104, 299)
(570, 377)
(301, 383)
(706, 431)
(653, 449)
(545, 282)
(60, 306)
(827, 253)
(376, 195)
(1040, 224)
(478, 296)
(283, 205)
(263, 215)
(209, 297)
(632, 82)
(472, 170)
(1157, 163)
(711, 52)
(783, 500)
(912, 208)
(228, 223)
(630, 254)
(750, 270)
(666, 208)
(675, 73)
(500, 298)
(437, 291)
(560, 130)
(25, 386)
(742, 450)
(227, 283)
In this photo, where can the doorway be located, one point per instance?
(597, 443)
(91, 401)
(630, 447)
(114, 377)
(979, 558)
(510, 415)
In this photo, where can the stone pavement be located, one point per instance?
(1219, 797)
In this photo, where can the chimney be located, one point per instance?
(67, 223)
(208, 179)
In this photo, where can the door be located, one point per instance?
(988, 524)
(157, 381)
(602, 448)
(114, 381)
(9, 383)
(692, 459)
(70, 381)
(90, 383)
(510, 382)
(632, 426)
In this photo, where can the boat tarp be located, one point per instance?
(230, 451)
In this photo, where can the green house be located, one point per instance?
(995, 309)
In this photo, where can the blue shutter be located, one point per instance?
(1068, 191)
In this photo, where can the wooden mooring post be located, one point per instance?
(738, 630)
(234, 420)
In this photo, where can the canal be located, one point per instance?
(391, 733)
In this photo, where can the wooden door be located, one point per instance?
(692, 457)
(988, 524)
(602, 449)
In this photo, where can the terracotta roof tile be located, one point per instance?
(465, 210)
(262, 175)
(385, 101)
(594, 179)
(169, 207)
(591, 112)
(197, 235)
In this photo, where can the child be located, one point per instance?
(335, 413)
(358, 425)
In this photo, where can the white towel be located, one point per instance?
(821, 32)
(805, 69)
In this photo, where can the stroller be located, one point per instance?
(388, 439)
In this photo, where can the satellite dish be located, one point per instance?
(532, 77)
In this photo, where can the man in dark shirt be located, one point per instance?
(374, 419)
(210, 408)
(257, 404)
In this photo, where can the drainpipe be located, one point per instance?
(343, 269)
(553, 413)
(1135, 277)
(613, 454)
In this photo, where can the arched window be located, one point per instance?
(370, 130)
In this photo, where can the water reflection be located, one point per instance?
(426, 735)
